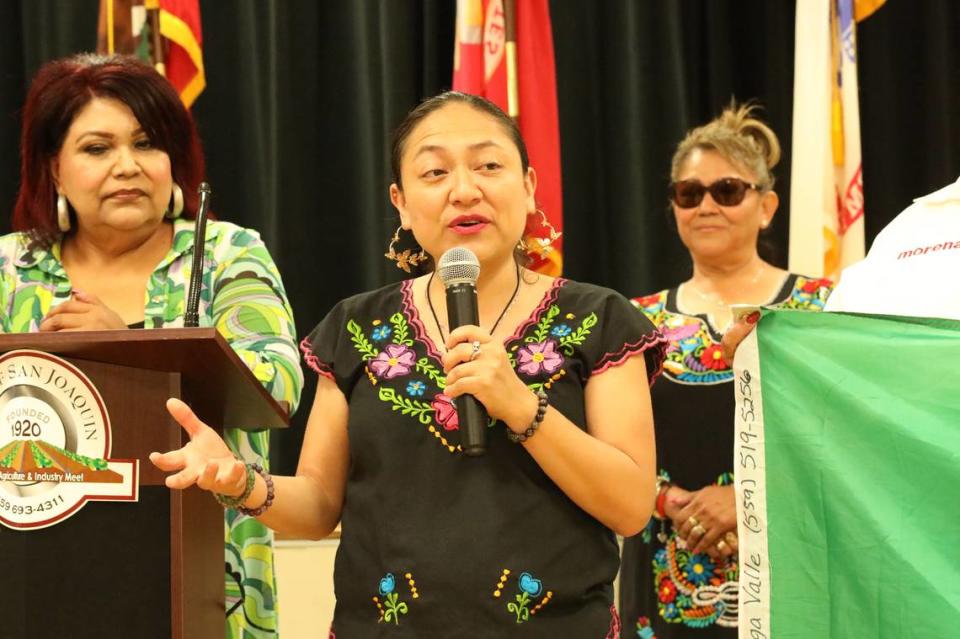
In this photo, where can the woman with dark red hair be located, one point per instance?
(110, 166)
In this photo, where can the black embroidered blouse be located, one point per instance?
(438, 544)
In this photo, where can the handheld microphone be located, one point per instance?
(459, 269)
(191, 316)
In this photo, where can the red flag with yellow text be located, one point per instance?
(504, 52)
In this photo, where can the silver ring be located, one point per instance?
(475, 345)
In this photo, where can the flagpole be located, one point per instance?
(153, 18)
(110, 27)
(510, 26)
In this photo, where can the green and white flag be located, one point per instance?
(847, 461)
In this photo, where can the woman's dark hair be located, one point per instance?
(60, 90)
(428, 106)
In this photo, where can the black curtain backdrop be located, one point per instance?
(301, 96)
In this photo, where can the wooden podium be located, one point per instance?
(154, 568)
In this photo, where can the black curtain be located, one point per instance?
(301, 96)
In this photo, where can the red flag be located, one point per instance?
(504, 52)
(180, 24)
(165, 33)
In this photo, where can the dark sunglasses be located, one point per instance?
(726, 192)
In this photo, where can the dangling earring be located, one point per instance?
(63, 214)
(176, 203)
(406, 258)
(541, 245)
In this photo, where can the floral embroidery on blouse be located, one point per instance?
(644, 629)
(389, 357)
(529, 598)
(414, 385)
(419, 378)
(693, 355)
(692, 589)
(388, 603)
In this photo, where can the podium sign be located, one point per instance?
(54, 443)
(79, 416)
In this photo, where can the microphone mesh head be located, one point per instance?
(458, 266)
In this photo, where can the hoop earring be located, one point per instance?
(63, 214)
(405, 258)
(176, 203)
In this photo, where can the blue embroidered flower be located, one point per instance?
(416, 389)
(381, 333)
(670, 612)
(387, 584)
(530, 585)
(699, 569)
(561, 330)
(661, 556)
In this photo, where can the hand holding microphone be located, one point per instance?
(479, 374)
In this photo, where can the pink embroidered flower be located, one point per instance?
(445, 412)
(533, 358)
(393, 361)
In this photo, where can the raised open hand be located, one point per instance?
(205, 460)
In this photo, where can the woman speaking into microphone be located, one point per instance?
(436, 543)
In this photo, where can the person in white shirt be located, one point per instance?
(913, 266)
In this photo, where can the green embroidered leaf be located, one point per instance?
(425, 367)
(360, 341)
(543, 326)
(400, 329)
(421, 410)
(520, 608)
(576, 337)
(394, 609)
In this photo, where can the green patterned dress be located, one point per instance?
(243, 297)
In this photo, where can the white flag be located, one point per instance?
(826, 185)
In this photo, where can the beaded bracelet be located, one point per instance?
(659, 512)
(663, 487)
(519, 438)
(233, 502)
(268, 480)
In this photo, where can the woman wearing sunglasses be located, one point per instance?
(679, 576)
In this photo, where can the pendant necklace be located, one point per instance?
(516, 289)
